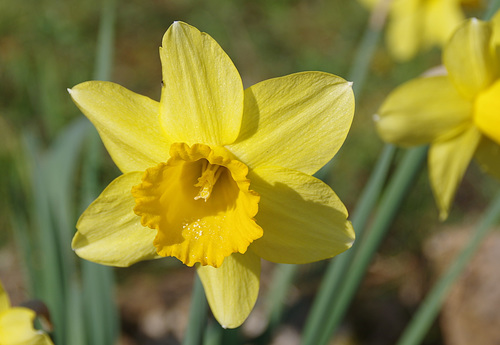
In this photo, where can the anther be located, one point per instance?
(209, 176)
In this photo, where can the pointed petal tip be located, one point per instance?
(443, 215)
(176, 24)
(350, 83)
(70, 91)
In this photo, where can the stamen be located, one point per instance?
(209, 176)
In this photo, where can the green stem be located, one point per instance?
(213, 334)
(389, 205)
(282, 280)
(105, 47)
(53, 293)
(326, 298)
(197, 315)
(367, 47)
(423, 319)
(493, 7)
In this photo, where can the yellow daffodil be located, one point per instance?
(458, 114)
(215, 175)
(418, 25)
(16, 324)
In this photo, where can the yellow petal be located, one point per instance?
(109, 232)
(16, 328)
(4, 299)
(487, 112)
(448, 161)
(488, 157)
(298, 121)
(128, 123)
(302, 218)
(202, 95)
(421, 111)
(405, 28)
(232, 289)
(442, 17)
(200, 204)
(468, 59)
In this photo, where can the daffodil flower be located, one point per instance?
(215, 175)
(418, 25)
(458, 113)
(16, 324)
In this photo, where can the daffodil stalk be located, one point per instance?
(197, 315)
(333, 279)
(394, 194)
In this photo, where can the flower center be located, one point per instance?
(168, 200)
(209, 176)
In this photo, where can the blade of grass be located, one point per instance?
(367, 47)
(75, 316)
(53, 293)
(105, 47)
(426, 314)
(61, 162)
(282, 280)
(24, 245)
(493, 7)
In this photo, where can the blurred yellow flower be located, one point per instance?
(418, 25)
(16, 324)
(216, 175)
(458, 114)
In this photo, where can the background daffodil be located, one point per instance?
(418, 25)
(458, 114)
(16, 324)
(216, 175)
